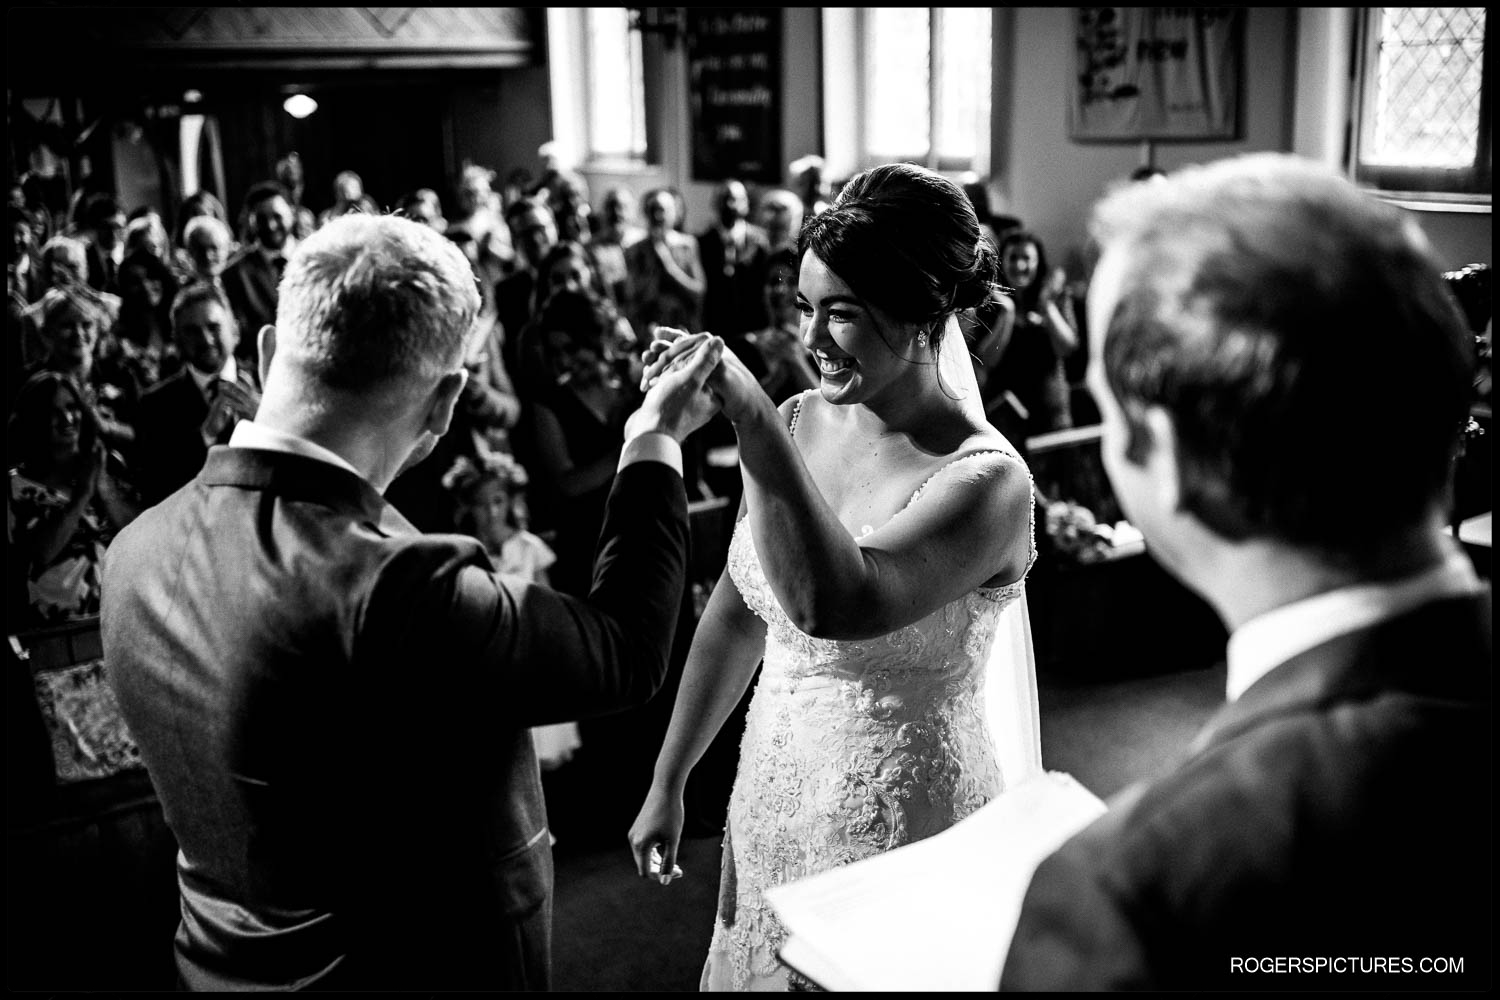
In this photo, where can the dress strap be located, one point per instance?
(1030, 510)
(791, 426)
(962, 458)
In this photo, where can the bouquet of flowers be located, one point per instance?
(1074, 531)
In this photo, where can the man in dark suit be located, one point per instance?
(102, 231)
(533, 232)
(1283, 378)
(734, 254)
(333, 708)
(184, 415)
(251, 277)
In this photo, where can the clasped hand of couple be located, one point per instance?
(731, 383)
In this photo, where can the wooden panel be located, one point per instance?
(290, 37)
(388, 28)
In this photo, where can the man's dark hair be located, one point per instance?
(264, 191)
(98, 209)
(196, 292)
(1299, 334)
(523, 205)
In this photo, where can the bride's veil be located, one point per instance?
(1010, 693)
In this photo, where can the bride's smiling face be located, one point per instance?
(855, 344)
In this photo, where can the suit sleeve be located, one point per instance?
(1075, 932)
(537, 655)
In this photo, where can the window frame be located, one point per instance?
(1472, 184)
(591, 153)
(571, 76)
(933, 159)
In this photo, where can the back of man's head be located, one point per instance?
(1299, 333)
(369, 300)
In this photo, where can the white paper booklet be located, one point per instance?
(937, 915)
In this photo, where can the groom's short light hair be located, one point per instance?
(368, 299)
(1300, 334)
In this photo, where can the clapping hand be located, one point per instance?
(1057, 283)
(234, 402)
(734, 385)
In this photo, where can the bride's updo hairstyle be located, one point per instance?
(907, 241)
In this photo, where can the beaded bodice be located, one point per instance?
(851, 747)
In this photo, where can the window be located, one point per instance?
(926, 85)
(615, 81)
(595, 67)
(1423, 120)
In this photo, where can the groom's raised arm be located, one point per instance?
(541, 656)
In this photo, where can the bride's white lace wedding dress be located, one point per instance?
(852, 748)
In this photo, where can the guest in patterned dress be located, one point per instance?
(65, 504)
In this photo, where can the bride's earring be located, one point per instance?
(922, 340)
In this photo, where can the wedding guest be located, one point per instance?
(615, 231)
(101, 229)
(72, 323)
(199, 406)
(1026, 389)
(1339, 807)
(779, 213)
(666, 274)
(733, 253)
(22, 281)
(778, 359)
(21, 289)
(195, 206)
(348, 196)
(251, 278)
(491, 502)
(422, 205)
(569, 201)
(290, 175)
(478, 229)
(65, 502)
(146, 233)
(62, 264)
(206, 246)
(577, 419)
(810, 180)
(533, 232)
(147, 287)
(62, 261)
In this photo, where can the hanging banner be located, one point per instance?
(1158, 73)
(734, 66)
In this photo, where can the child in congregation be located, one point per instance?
(489, 492)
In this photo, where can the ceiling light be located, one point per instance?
(300, 105)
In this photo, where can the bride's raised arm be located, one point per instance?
(971, 527)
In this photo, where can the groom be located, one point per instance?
(334, 709)
(1283, 379)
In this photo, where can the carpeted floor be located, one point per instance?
(615, 932)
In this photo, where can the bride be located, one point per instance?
(878, 568)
